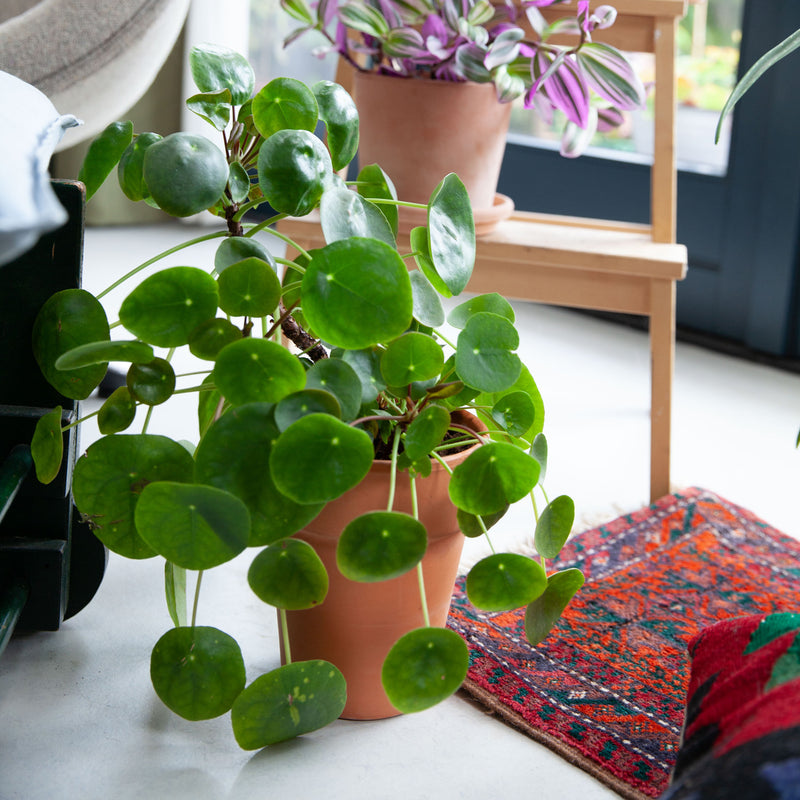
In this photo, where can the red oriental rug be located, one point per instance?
(606, 690)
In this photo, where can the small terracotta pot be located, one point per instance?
(357, 623)
(421, 130)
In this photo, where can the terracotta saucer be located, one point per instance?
(485, 219)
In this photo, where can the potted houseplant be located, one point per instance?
(424, 69)
(313, 383)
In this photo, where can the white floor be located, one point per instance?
(78, 717)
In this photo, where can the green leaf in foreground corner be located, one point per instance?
(289, 701)
(504, 581)
(197, 672)
(543, 613)
(47, 446)
(423, 668)
(289, 574)
(554, 526)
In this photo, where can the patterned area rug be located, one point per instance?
(607, 689)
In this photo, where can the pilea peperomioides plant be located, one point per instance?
(309, 378)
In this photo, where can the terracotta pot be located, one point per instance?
(357, 624)
(421, 130)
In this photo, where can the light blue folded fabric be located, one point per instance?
(30, 128)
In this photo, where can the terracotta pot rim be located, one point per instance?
(462, 85)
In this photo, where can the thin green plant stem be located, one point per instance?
(393, 472)
(287, 647)
(79, 421)
(445, 339)
(154, 259)
(147, 419)
(420, 577)
(196, 597)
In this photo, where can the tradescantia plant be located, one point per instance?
(481, 41)
(308, 378)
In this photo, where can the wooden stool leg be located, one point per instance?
(662, 352)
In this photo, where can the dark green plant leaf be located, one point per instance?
(102, 352)
(492, 303)
(290, 575)
(185, 173)
(197, 672)
(426, 431)
(308, 401)
(451, 233)
(166, 307)
(69, 319)
(514, 412)
(213, 107)
(380, 545)
(175, 591)
(209, 337)
(420, 247)
(505, 581)
(104, 154)
(554, 526)
(357, 293)
(543, 613)
(367, 365)
(215, 67)
(343, 213)
(470, 525)
(411, 357)
(249, 288)
(373, 182)
(284, 104)
(253, 370)
(428, 309)
(152, 383)
(539, 452)
(108, 480)
(298, 9)
(210, 404)
(524, 383)
(287, 702)
(117, 412)
(194, 526)
(47, 446)
(234, 456)
(239, 182)
(423, 668)
(337, 377)
(131, 166)
(493, 477)
(237, 248)
(484, 358)
(318, 458)
(293, 170)
(338, 111)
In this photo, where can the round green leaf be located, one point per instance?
(307, 401)
(197, 672)
(543, 613)
(209, 337)
(108, 480)
(423, 668)
(514, 413)
(338, 111)
(47, 446)
(337, 377)
(103, 155)
(234, 456)
(152, 383)
(380, 545)
(292, 700)
(290, 575)
(318, 458)
(343, 213)
(130, 170)
(215, 67)
(293, 170)
(492, 303)
(117, 412)
(411, 357)
(484, 358)
(185, 173)
(428, 309)
(193, 526)
(249, 288)
(374, 182)
(103, 352)
(367, 365)
(451, 233)
(213, 107)
(524, 383)
(356, 293)
(67, 320)
(237, 248)
(426, 432)
(554, 526)
(470, 524)
(539, 452)
(252, 370)
(493, 477)
(504, 581)
(239, 182)
(166, 307)
(284, 103)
